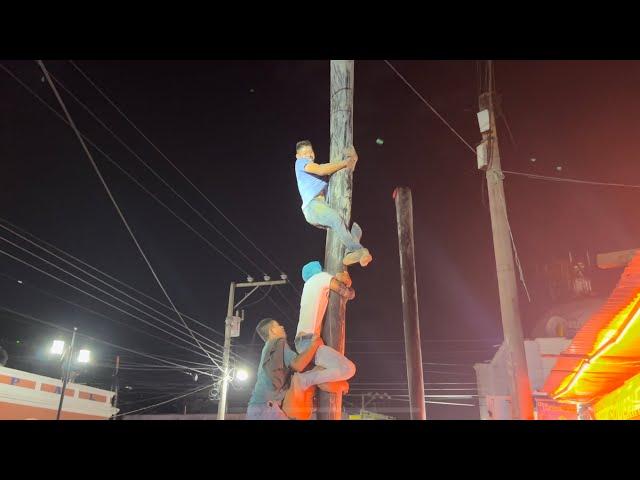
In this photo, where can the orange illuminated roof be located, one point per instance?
(606, 350)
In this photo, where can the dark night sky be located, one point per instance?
(238, 147)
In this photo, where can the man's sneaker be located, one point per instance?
(356, 232)
(363, 256)
(366, 258)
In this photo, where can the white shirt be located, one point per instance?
(313, 304)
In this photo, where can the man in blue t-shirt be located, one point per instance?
(313, 189)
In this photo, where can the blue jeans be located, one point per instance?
(319, 214)
(335, 366)
(265, 411)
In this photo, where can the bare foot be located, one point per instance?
(362, 256)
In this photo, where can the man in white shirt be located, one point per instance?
(332, 368)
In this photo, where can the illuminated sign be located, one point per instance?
(621, 404)
(550, 410)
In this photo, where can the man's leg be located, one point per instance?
(336, 366)
(319, 213)
(268, 411)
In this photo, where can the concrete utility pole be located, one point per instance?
(411, 319)
(521, 401)
(232, 329)
(340, 191)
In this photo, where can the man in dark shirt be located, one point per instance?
(273, 377)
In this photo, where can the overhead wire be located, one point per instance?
(286, 316)
(97, 298)
(131, 327)
(413, 89)
(156, 174)
(570, 180)
(102, 281)
(106, 97)
(113, 345)
(213, 346)
(126, 173)
(167, 401)
(109, 276)
(115, 204)
(242, 307)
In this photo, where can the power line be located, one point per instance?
(282, 311)
(156, 397)
(405, 383)
(131, 177)
(157, 175)
(295, 289)
(108, 158)
(99, 299)
(259, 300)
(102, 281)
(95, 146)
(430, 106)
(167, 401)
(570, 180)
(486, 340)
(107, 275)
(58, 327)
(213, 346)
(172, 164)
(115, 204)
(443, 403)
(293, 309)
(44, 292)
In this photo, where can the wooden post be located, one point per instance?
(411, 319)
(340, 191)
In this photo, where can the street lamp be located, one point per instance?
(84, 356)
(242, 374)
(58, 347)
(232, 329)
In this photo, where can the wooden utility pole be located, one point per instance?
(340, 191)
(411, 319)
(521, 398)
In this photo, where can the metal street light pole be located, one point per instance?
(230, 331)
(66, 373)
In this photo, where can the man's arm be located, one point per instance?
(325, 169)
(303, 359)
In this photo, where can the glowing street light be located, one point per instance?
(58, 347)
(84, 356)
(242, 375)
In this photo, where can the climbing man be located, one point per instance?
(332, 368)
(274, 371)
(316, 210)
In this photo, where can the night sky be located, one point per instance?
(231, 127)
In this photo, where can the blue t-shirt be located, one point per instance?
(264, 390)
(309, 185)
